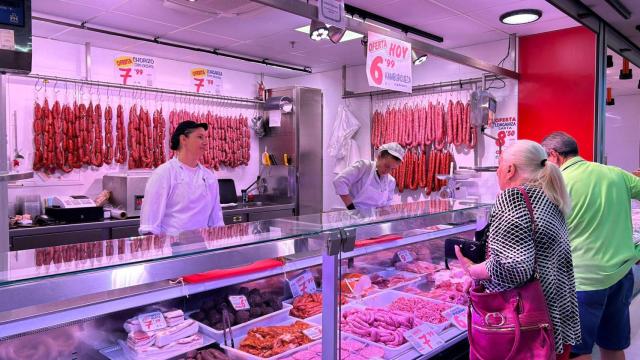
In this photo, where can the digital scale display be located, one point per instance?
(12, 12)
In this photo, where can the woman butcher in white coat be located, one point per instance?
(367, 184)
(181, 194)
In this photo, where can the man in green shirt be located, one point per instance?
(601, 236)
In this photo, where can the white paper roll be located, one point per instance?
(118, 214)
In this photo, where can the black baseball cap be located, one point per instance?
(182, 129)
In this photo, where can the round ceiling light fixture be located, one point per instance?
(522, 16)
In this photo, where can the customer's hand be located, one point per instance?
(464, 262)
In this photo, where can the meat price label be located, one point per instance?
(458, 317)
(239, 302)
(206, 81)
(423, 338)
(313, 333)
(135, 70)
(303, 284)
(389, 63)
(152, 321)
(405, 256)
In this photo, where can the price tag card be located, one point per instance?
(239, 302)
(405, 256)
(458, 317)
(152, 321)
(423, 338)
(389, 63)
(303, 284)
(134, 70)
(313, 333)
(207, 81)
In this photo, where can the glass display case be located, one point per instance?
(357, 284)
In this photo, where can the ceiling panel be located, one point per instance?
(78, 36)
(45, 29)
(411, 12)
(162, 13)
(66, 10)
(101, 4)
(459, 31)
(133, 24)
(491, 16)
(257, 24)
(467, 6)
(199, 39)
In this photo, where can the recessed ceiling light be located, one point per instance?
(192, 0)
(348, 35)
(523, 16)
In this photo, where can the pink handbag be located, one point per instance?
(512, 324)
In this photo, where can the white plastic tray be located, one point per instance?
(281, 314)
(122, 352)
(391, 271)
(384, 299)
(389, 352)
(235, 354)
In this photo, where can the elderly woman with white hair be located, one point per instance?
(528, 234)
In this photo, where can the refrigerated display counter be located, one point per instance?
(347, 283)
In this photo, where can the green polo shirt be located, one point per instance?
(600, 227)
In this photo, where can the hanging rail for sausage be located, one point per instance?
(455, 85)
(144, 89)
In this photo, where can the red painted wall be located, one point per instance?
(556, 90)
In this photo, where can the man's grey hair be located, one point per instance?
(562, 143)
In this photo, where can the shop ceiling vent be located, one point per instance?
(221, 8)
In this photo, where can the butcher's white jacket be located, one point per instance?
(353, 180)
(172, 204)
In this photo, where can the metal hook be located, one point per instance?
(36, 85)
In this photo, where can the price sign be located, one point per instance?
(423, 338)
(458, 317)
(389, 63)
(331, 12)
(239, 302)
(134, 70)
(405, 256)
(313, 333)
(303, 284)
(152, 321)
(506, 131)
(206, 81)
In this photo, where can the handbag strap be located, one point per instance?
(534, 228)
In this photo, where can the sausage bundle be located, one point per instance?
(419, 170)
(67, 137)
(421, 125)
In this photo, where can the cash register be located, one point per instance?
(73, 209)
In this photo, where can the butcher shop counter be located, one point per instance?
(74, 299)
(23, 238)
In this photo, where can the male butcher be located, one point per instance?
(181, 194)
(367, 184)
